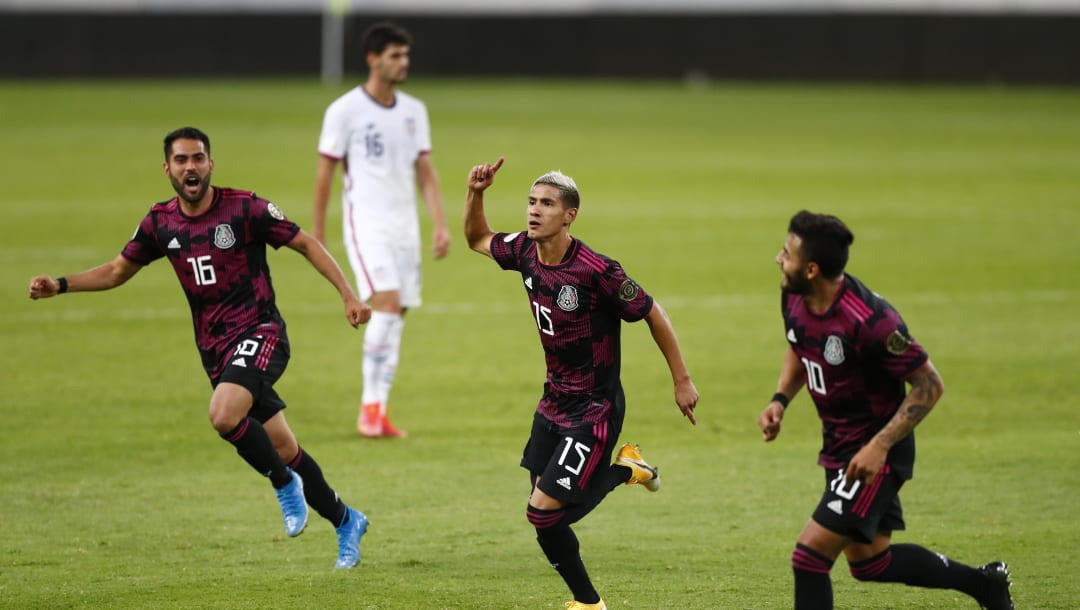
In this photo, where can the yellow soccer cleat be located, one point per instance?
(580, 606)
(630, 456)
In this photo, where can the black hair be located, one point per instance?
(825, 241)
(185, 133)
(377, 37)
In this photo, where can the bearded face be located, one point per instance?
(792, 266)
(189, 168)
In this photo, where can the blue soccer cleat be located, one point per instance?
(294, 509)
(348, 536)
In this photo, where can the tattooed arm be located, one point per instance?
(926, 390)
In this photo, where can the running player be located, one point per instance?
(216, 238)
(854, 354)
(579, 299)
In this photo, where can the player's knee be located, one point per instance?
(229, 405)
(222, 420)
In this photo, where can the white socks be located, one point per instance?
(382, 346)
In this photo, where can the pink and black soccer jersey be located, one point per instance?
(220, 260)
(578, 306)
(856, 356)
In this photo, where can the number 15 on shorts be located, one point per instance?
(574, 455)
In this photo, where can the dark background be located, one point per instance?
(909, 48)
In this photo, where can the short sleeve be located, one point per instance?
(143, 248)
(506, 249)
(270, 224)
(887, 339)
(334, 139)
(624, 294)
(423, 131)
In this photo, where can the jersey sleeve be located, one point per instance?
(506, 249)
(143, 247)
(623, 294)
(270, 224)
(423, 131)
(887, 339)
(334, 138)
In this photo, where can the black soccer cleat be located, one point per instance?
(996, 596)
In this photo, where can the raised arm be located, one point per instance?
(926, 389)
(478, 233)
(103, 277)
(324, 177)
(663, 333)
(356, 313)
(791, 381)
(428, 181)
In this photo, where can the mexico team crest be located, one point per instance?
(224, 237)
(568, 299)
(834, 350)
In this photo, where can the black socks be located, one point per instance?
(253, 444)
(317, 491)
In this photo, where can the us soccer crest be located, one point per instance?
(224, 237)
(834, 350)
(568, 299)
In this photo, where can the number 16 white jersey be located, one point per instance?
(379, 146)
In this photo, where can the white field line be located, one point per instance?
(50, 313)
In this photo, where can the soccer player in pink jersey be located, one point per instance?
(853, 352)
(579, 299)
(215, 239)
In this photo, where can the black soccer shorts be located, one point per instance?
(859, 510)
(566, 459)
(257, 362)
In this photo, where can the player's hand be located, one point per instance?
(686, 396)
(867, 463)
(356, 312)
(482, 176)
(440, 242)
(769, 421)
(43, 287)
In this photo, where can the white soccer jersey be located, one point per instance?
(379, 146)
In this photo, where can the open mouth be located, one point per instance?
(191, 181)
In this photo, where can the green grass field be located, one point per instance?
(115, 491)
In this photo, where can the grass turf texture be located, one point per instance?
(115, 491)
